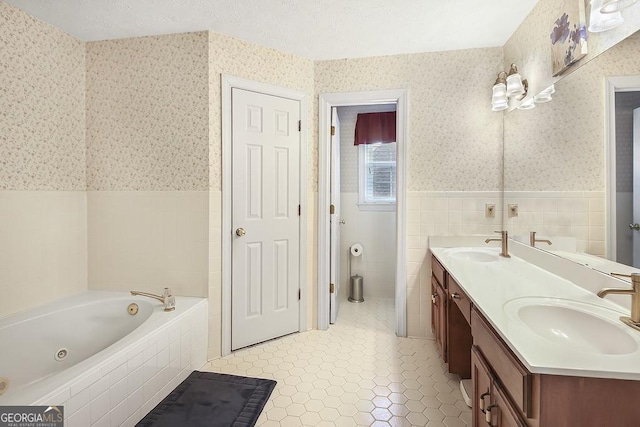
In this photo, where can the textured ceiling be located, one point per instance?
(316, 29)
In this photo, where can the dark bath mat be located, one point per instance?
(212, 400)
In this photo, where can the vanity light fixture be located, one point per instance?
(528, 104)
(545, 95)
(499, 100)
(599, 21)
(612, 6)
(508, 86)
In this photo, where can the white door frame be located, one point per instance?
(613, 84)
(328, 100)
(229, 82)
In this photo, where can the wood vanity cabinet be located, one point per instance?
(502, 387)
(505, 393)
(450, 313)
(524, 399)
(439, 306)
(491, 406)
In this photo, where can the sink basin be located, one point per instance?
(473, 254)
(579, 326)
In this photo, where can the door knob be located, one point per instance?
(240, 232)
(634, 226)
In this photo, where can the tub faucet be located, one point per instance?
(505, 245)
(634, 320)
(533, 240)
(166, 298)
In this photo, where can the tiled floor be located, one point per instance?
(356, 373)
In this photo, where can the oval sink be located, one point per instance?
(473, 254)
(579, 326)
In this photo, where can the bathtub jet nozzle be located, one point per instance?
(61, 354)
(4, 385)
(166, 298)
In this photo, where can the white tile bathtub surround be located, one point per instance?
(578, 214)
(124, 388)
(43, 248)
(148, 240)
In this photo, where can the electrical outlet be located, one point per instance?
(490, 210)
(513, 210)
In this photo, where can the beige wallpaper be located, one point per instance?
(530, 47)
(455, 138)
(147, 113)
(42, 108)
(242, 59)
(560, 145)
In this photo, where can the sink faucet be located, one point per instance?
(533, 240)
(504, 239)
(166, 298)
(634, 320)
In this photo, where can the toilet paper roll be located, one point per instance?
(356, 249)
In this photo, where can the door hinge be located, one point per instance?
(333, 130)
(299, 293)
(299, 125)
(332, 288)
(299, 210)
(332, 210)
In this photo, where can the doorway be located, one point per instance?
(264, 221)
(622, 240)
(328, 102)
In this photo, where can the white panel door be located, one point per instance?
(636, 187)
(265, 217)
(334, 274)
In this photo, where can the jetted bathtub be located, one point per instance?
(103, 364)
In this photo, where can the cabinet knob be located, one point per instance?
(434, 299)
(455, 295)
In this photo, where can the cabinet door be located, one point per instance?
(434, 308)
(481, 388)
(504, 414)
(441, 298)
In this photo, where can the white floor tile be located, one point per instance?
(356, 373)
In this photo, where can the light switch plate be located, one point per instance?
(513, 210)
(490, 210)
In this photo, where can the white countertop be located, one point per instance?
(497, 289)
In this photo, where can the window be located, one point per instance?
(378, 175)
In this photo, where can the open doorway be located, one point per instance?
(622, 239)
(367, 210)
(379, 229)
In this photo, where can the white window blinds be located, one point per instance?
(378, 174)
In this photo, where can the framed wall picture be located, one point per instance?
(568, 36)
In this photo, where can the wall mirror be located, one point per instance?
(555, 164)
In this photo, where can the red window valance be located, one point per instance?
(372, 128)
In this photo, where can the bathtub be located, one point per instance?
(105, 366)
